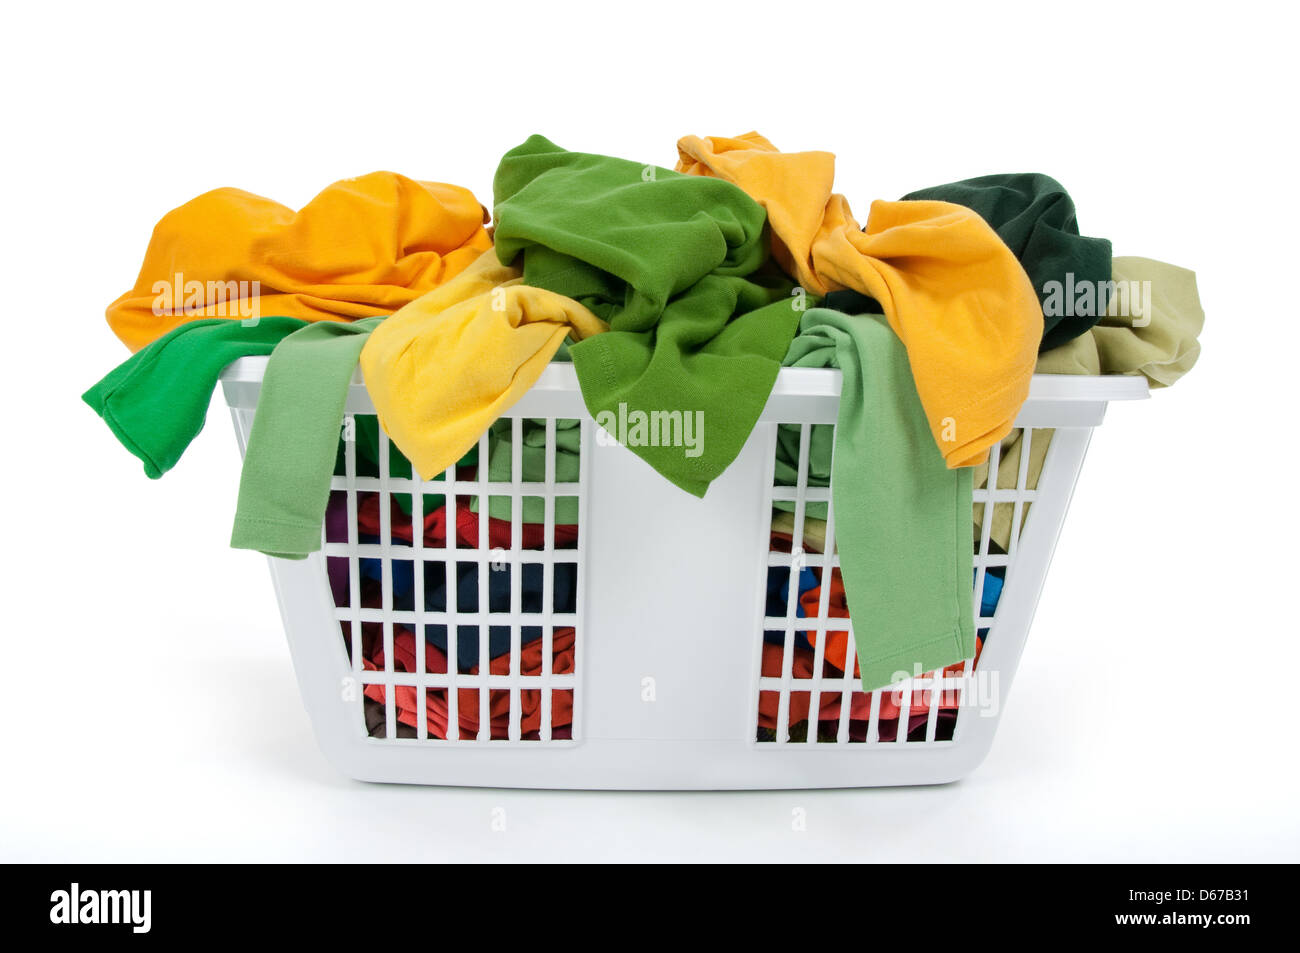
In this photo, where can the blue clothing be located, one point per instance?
(564, 599)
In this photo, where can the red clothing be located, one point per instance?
(829, 702)
(532, 535)
(530, 663)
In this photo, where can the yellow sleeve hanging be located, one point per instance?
(447, 365)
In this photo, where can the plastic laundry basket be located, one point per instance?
(664, 673)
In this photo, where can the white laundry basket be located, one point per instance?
(665, 677)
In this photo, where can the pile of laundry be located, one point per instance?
(671, 291)
(472, 533)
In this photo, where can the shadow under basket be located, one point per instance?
(588, 625)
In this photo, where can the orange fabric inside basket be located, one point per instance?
(829, 702)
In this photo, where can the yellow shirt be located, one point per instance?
(447, 365)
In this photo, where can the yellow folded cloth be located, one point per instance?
(444, 367)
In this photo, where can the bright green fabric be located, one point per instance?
(902, 518)
(284, 487)
(663, 257)
(155, 401)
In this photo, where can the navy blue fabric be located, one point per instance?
(564, 599)
(778, 597)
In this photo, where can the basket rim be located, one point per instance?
(801, 382)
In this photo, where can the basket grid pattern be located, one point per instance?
(503, 692)
(924, 710)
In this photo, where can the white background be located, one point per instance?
(149, 707)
